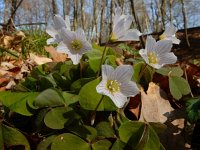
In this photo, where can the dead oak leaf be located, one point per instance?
(56, 56)
(39, 60)
(154, 107)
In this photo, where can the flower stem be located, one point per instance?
(93, 114)
(104, 51)
(99, 103)
(142, 72)
(81, 68)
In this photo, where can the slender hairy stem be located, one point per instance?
(93, 115)
(81, 68)
(186, 77)
(142, 72)
(104, 51)
(101, 61)
(99, 103)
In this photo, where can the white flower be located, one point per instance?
(157, 54)
(74, 44)
(121, 25)
(53, 30)
(169, 34)
(117, 84)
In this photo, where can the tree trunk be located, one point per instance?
(121, 4)
(170, 11)
(102, 21)
(137, 22)
(94, 20)
(153, 21)
(75, 14)
(163, 12)
(6, 12)
(54, 7)
(158, 15)
(9, 26)
(66, 7)
(185, 22)
(83, 14)
(111, 14)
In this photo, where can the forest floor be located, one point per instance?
(13, 71)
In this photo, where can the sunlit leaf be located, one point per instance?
(158, 127)
(94, 53)
(111, 60)
(178, 87)
(78, 84)
(139, 135)
(153, 141)
(46, 143)
(86, 132)
(193, 109)
(128, 129)
(104, 129)
(94, 64)
(70, 98)
(101, 145)
(170, 71)
(89, 98)
(50, 98)
(18, 101)
(137, 69)
(12, 137)
(61, 81)
(141, 71)
(118, 145)
(68, 141)
(58, 118)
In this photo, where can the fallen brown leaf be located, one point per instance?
(57, 57)
(39, 60)
(157, 109)
(153, 105)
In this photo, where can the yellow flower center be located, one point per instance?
(76, 45)
(152, 58)
(162, 36)
(113, 37)
(113, 86)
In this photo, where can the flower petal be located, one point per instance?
(80, 34)
(118, 29)
(129, 89)
(118, 99)
(75, 57)
(101, 88)
(173, 39)
(171, 30)
(163, 46)
(106, 71)
(118, 12)
(131, 35)
(59, 22)
(51, 31)
(143, 53)
(150, 44)
(51, 41)
(67, 22)
(122, 73)
(167, 58)
(62, 48)
(67, 36)
(156, 66)
(128, 22)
